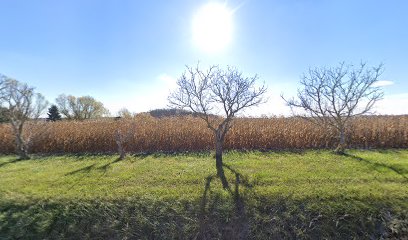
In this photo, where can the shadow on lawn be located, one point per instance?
(91, 167)
(238, 226)
(106, 166)
(378, 166)
(10, 162)
(88, 169)
(17, 160)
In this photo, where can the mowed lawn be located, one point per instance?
(307, 195)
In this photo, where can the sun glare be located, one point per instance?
(212, 27)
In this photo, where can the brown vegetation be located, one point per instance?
(180, 134)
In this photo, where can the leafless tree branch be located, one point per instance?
(331, 96)
(23, 104)
(216, 92)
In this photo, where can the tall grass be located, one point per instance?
(175, 134)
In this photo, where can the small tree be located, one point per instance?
(216, 92)
(332, 96)
(124, 134)
(80, 108)
(124, 113)
(23, 104)
(53, 114)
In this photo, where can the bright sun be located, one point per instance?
(212, 27)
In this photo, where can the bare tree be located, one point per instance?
(124, 113)
(216, 92)
(330, 97)
(124, 134)
(3, 110)
(23, 104)
(80, 108)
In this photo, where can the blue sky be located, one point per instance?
(129, 53)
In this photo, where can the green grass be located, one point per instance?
(313, 194)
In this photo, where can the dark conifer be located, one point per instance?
(53, 114)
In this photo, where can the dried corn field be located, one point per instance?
(147, 134)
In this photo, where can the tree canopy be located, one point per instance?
(80, 108)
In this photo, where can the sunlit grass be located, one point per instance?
(360, 185)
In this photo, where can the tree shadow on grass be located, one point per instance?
(11, 161)
(17, 160)
(378, 166)
(91, 167)
(212, 223)
(106, 166)
(86, 169)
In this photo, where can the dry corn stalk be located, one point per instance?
(181, 134)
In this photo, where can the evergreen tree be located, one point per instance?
(53, 114)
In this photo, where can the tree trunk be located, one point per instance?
(121, 150)
(218, 160)
(21, 147)
(342, 141)
(120, 142)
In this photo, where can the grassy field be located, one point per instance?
(307, 195)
